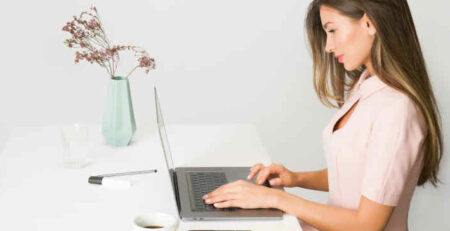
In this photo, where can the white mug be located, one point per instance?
(155, 221)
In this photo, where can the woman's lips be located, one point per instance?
(340, 58)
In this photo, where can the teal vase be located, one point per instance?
(118, 120)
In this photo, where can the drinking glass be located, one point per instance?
(75, 145)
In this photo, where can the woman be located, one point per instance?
(385, 138)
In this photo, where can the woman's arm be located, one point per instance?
(316, 180)
(370, 215)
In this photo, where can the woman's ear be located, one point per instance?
(368, 25)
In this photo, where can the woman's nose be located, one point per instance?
(329, 47)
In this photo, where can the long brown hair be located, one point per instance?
(397, 61)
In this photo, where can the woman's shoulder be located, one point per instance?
(390, 104)
(389, 98)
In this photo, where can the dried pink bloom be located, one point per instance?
(89, 37)
(147, 62)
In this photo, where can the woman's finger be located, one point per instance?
(225, 204)
(221, 190)
(222, 198)
(275, 181)
(215, 192)
(263, 174)
(255, 169)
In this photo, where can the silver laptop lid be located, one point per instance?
(166, 150)
(163, 134)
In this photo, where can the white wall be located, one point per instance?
(218, 62)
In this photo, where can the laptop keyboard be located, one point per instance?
(201, 183)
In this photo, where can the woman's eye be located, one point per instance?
(331, 31)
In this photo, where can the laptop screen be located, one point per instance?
(166, 150)
(163, 134)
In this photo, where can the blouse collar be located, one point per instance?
(367, 85)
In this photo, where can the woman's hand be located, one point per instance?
(244, 195)
(277, 175)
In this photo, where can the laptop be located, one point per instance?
(191, 183)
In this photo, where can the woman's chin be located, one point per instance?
(350, 68)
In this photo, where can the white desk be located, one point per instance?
(37, 193)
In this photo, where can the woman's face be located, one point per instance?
(351, 40)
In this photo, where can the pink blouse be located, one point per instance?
(377, 153)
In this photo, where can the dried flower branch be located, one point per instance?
(89, 37)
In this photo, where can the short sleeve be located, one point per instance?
(393, 149)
